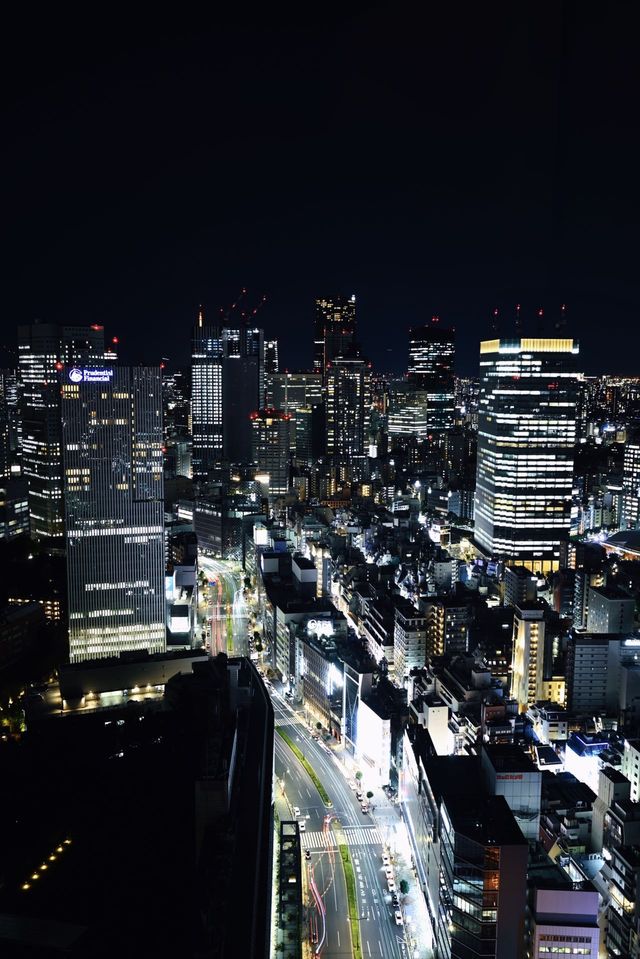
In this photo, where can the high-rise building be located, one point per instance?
(271, 448)
(44, 351)
(410, 416)
(206, 397)
(631, 486)
(114, 510)
(431, 356)
(270, 363)
(335, 329)
(348, 406)
(526, 436)
(292, 392)
(409, 639)
(528, 653)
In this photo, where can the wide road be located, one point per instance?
(380, 935)
(227, 610)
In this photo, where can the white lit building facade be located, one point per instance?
(206, 397)
(45, 350)
(526, 435)
(114, 510)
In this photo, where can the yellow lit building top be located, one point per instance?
(534, 344)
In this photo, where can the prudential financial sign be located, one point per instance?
(83, 375)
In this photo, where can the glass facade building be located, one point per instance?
(526, 437)
(431, 356)
(335, 329)
(206, 397)
(348, 405)
(44, 351)
(114, 510)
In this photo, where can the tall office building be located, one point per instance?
(292, 392)
(270, 362)
(526, 436)
(335, 329)
(271, 447)
(114, 510)
(206, 397)
(348, 406)
(631, 486)
(431, 357)
(44, 351)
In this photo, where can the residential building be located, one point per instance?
(409, 640)
(527, 677)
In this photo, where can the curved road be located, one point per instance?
(227, 607)
(380, 935)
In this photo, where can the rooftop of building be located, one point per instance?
(449, 775)
(627, 541)
(611, 593)
(630, 854)
(563, 789)
(506, 758)
(486, 820)
(547, 874)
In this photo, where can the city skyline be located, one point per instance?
(427, 172)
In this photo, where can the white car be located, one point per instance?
(386, 861)
(388, 872)
(391, 886)
(296, 811)
(398, 918)
(301, 825)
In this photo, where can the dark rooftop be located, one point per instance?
(509, 759)
(486, 820)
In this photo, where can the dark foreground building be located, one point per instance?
(145, 829)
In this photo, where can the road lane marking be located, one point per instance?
(368, 947)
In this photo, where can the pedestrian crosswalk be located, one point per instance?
(359, 836)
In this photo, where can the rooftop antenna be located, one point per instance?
(518, 321)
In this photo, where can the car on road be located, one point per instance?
(296, 811)
(359, 796)
(386, 861)
(307, 854)
(391, 885)
(394, 899)
(388, 872)
(364, 808)
(301, 825)
(398, 918)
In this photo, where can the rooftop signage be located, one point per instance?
(83, 375)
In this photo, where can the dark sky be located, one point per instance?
(444, 160)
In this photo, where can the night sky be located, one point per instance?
(446, 162)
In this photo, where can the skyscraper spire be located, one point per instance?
(201, 316)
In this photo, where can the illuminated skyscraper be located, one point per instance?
(114, 510)
(335, 329)
(526, 436)
(271, 443)
(206, 397)
(44, 350)
(431, 356)
(348, 405)
(631, 486)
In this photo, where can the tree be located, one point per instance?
(318, 725)
(369, 794)
(404, 887)
(358, 775)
